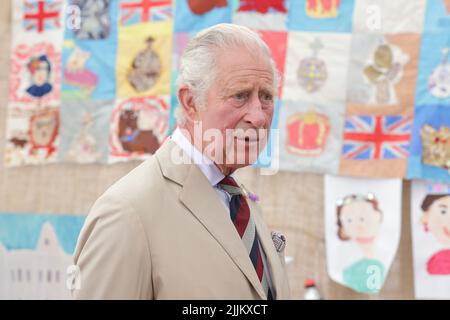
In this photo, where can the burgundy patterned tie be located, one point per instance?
(245, 226)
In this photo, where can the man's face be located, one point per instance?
(238, 103)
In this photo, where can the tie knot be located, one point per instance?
(229, 185)
(229, 181)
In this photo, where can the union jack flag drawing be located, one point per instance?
(40, 15)
(376, 137)
(138, 11)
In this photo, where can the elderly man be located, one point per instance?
(177, 229)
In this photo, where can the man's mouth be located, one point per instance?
(247, 139)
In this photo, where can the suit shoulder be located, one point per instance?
(139, 179)
(141, 185)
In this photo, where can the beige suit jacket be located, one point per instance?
(161, 232)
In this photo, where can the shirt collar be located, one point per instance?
(205, 164)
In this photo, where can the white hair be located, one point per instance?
(198, 62)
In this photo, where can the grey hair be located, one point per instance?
(197, 67)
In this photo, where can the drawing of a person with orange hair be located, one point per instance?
(39, 68)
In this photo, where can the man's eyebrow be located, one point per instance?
(442, 206)
(267, 88)
(239, 87)
(242, 86)
(270, 90)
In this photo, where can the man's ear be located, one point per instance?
(187, 103)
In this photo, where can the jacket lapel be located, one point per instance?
(202, 201)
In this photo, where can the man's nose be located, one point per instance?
(255, 115)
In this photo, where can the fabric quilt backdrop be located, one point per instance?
(363, 92)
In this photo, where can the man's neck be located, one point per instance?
(189, 136)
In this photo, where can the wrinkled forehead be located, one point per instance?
(241, 64)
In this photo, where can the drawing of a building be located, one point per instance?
(35, 274)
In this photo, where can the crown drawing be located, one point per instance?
(436, 146)
(307, 133)
(322, 9)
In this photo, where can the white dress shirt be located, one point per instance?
(205, 164)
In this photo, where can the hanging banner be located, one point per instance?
(362, 230)
(430, 224)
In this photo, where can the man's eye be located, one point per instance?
(267, 97)
(241, 96)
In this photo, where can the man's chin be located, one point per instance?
(242, 161)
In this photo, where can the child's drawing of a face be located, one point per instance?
(359, 221)
(436, 217)
(40, 70)
(40, 76)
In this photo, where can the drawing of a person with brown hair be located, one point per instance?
(436, 220)
(359, 220)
